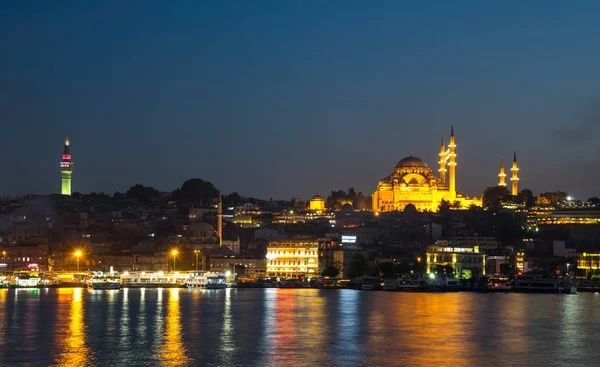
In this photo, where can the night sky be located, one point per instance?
(275, 99)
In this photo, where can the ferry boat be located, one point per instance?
(537, 284)
(153, 279)
(585, 285)
(493, 283)
(206, 280)
(413, 282)
(98, 282)
(442, 282)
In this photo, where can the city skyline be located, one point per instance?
(269, 114)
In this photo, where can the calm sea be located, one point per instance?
(296, 327)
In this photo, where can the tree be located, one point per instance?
(493, 196)
(330, 271)
(360, 202)
(336, 199)
(358, 266)
(526, 198)
(196, 191)
(594, 200)
(552, 198)
(456, 205)
(141, 192)
(232, 199)
(444, 206)
(351, 193)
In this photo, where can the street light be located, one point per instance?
(78, 255)
(568, 269)
(4, 256)
(197, 252)
(174, 253)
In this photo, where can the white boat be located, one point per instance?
(206, 280)
(104, 282)
(152, 280)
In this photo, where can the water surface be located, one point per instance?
(295, 327)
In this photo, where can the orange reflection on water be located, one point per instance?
(74, 350)
(173, 351)
(3, 316)
(436, 329)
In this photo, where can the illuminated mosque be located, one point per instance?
(413, 182)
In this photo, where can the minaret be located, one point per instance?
(66, 168)
(502, 175)
(220, 220)
(452, 165)
(442, 162)
(514, 179)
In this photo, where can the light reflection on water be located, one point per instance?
(287, 327)
(73, 348)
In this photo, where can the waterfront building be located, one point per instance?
(66, 169)
(570, 216)
(293, 258)
(316, 204)
(444, 254)
(338, 252)
(520, 264)
(483, 243)
(589, 262)
(413, 182)
(25, 257)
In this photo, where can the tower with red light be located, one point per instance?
(66, 169)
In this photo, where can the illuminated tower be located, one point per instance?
(502, 175)
(514, 179)
(442, 162)
(220, 220)
(452, 165)
(66, 169)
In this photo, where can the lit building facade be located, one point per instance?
(589, 262)
(413, 182)
(293, 258)
(66, 169)
(443, 254)
(316, 203)
(520, 266)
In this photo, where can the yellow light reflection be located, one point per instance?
(173, 351)
(75, 351)
(3, 316)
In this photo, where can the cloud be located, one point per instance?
(578, 133)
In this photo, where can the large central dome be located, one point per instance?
(411, 161)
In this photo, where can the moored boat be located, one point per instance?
(206, 281)
(101, 281)
(537, 284)
(493, 283)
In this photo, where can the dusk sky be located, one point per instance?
(296, 98)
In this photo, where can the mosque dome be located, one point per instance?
(317, 198)
(411, 161)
